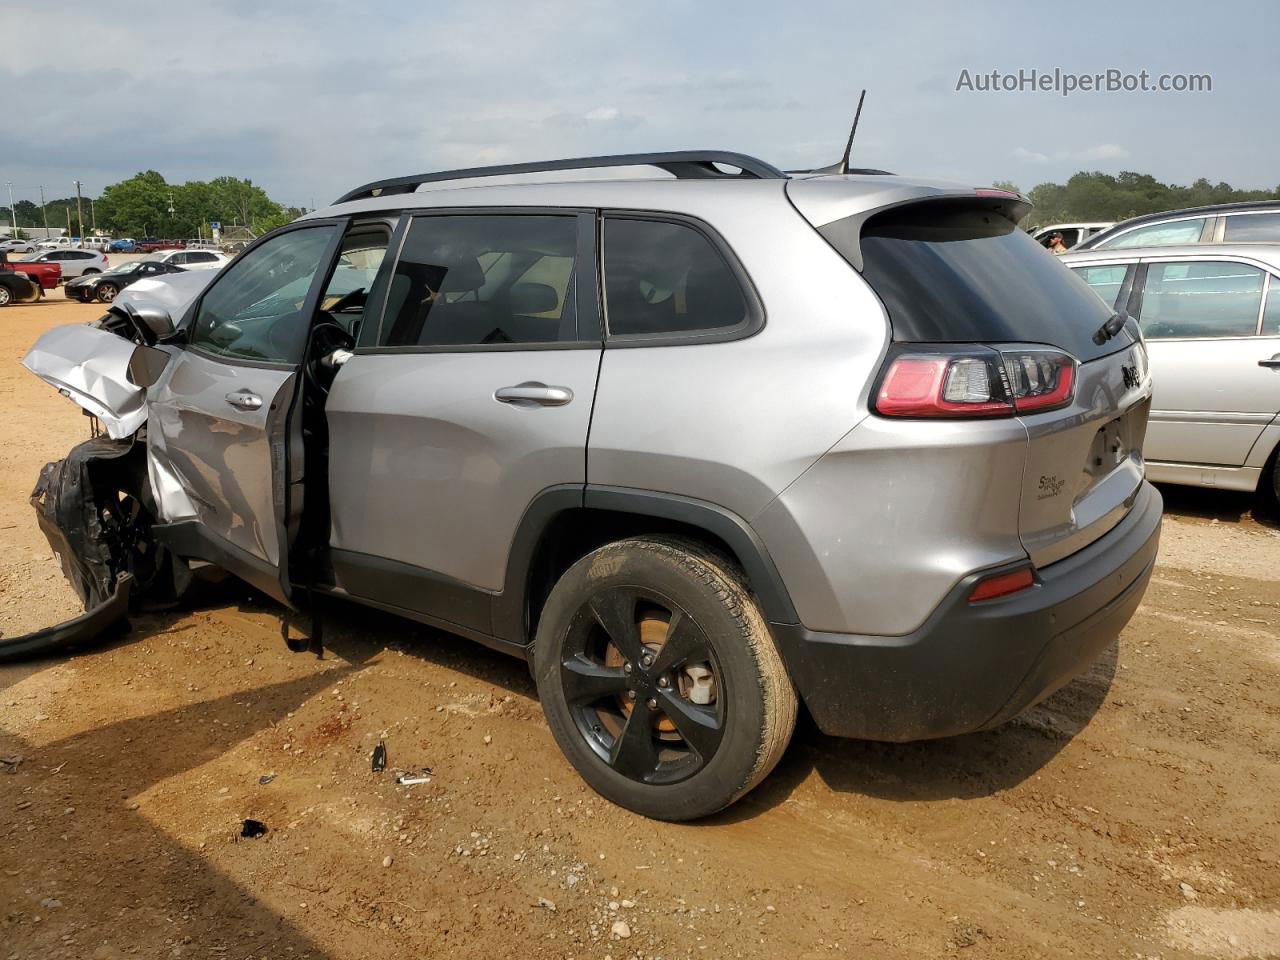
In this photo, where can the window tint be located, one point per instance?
(200, 258)
(666, 278)
(953, 271)
(254, 309)
(1200, 299)
(1253, 228)
(476, 280)
(1158, 234)
(1106, 281)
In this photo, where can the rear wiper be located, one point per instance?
(1111, 327)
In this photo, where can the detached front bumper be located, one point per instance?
(972, 666)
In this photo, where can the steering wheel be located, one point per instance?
(326, 336)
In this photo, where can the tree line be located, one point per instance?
(1091, 196)
(147, 205)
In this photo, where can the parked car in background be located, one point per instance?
(171, 292)
(96, 243)
(57, 243)
(46, 273)
(1253, 222)
(123, 245)
(192, 259)
(17, 287)
(104, 287)
(940, 519)
(152, 244)
(1072, 233)
(200, 244)
(1211, 319)
(75, 262)
(18, 246)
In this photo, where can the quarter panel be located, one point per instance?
(876, 533)
(733, 423)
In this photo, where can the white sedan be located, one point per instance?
(18, 246)
(192, 259)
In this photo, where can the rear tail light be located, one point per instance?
(1002, 584)
(968, 381)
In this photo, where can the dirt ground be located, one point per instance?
(1133, 815)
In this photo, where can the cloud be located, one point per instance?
(1105, 151)
(602, 113)
(1028, 156)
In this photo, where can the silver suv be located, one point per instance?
(701, 448)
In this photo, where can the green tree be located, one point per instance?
(1100, 196)
(138, 206)
(1008, 185)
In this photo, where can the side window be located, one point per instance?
(1106, 281)
(363, 249)
(1158, 234)
(199, 257)
(1211, 298)
(1253, 228)
(664, 279)
(180, 259)
(1271, 312)
(254, 311)
(484, 279)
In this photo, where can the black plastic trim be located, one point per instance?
(365, 577)
(750, 550)
(94, 624)
(683, 164)
(190, 538)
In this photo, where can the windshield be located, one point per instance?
(952, 272)
(129, 267)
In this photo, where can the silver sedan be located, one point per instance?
(1211, 319)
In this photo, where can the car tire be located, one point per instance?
(6, 295)
(105, 293)
(660, 679)
(90, 272)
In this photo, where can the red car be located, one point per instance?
(152, 244)
(48, 275)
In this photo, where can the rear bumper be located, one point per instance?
(974, 666)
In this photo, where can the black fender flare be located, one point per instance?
(511, 615)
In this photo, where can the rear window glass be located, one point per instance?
(1253, 228)
(951, 272)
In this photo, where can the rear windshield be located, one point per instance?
(953, 272)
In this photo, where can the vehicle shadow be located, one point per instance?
(116, 872)
(965, 767)
(1225, 506)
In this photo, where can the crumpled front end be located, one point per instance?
(95, 508)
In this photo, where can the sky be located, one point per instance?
(309, 98)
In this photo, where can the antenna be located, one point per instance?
(848, 147)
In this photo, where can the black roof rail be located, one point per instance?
(682, 164)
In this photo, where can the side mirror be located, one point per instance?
(157, 320)
(146, 364)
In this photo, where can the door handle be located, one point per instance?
(532, 392)
(244, 400)
(1273, 363)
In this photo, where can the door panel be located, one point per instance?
(220, 426)
(1211, 399)
(224, 455)
(428, 468)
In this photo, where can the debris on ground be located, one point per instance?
(379, 759)
(252, 828)
(10, 764)
(546, 904)
(408, 778)
(266, 778)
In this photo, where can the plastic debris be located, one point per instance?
(408, 779)
(10, 764)
(379, 759)
(252, 828)
(546, 904)
(266, 778)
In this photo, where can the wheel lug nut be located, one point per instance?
(664, 682)
(626, 668)
(647, 660)
(631, 694)
(653, 704)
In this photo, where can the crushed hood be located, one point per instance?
(91, 367)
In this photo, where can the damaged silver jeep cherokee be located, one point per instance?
(700, 448)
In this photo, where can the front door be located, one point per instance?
(472, 396)
(1206, 334)
(220, 414)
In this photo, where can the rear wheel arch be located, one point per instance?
(565, 523)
